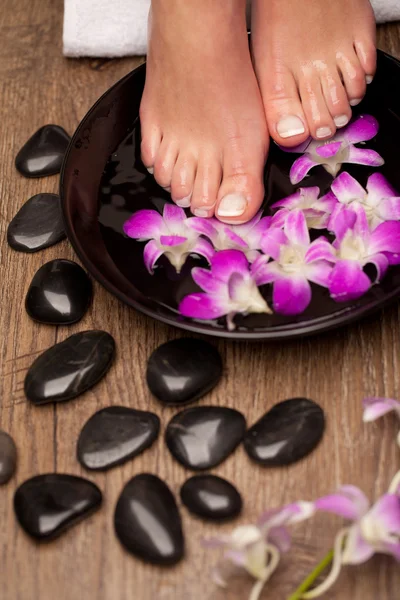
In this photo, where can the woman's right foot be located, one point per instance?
(204, 133)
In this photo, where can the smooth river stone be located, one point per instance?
(285, 434)
(115, 434)
(47, 505)
(203, 436)
(60, 293)
(37, 225)
(211, 497)
(183, 370)
(147, 521)
(43, 153)
(8, 457)
(69, 368)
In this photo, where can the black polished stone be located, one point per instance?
(8, 457)
(37, 225)
(147, 521)
(115, 434)
(285, 434)
(203, 436)
(211, 497)
(43, 153)
(69, 368)
(47, 505)
(183, 370)
(59, 294)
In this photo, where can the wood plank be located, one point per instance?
(38, 87)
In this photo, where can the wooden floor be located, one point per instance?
(38, 86)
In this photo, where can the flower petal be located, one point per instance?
(383, 517)
(292, 201)
(203, 306)
(349, 502)
(320, 249)
(203, 248)
(364, 156)
(385, 238)
(296, 229)
(203, 226)
(227, 262)
(291, 295)
(356, 550)
(348, 281)
(379, 187)
(207, 282)
(272, 241)
(319, 272)
(342, 220)
(326, 203)
(374, 408)
(328, 150)
(389, 209)
(172, 240)
(381, 265)
(347, 189)
(362, 129)
(151, 254)
(234, 238)
(174, 217)
(300, 168)
(300, 148)
(144, 224)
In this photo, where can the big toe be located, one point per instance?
(242, 189)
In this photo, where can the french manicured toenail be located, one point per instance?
(341, 121)
(200, 212)
(355, 102)
(323, 132)
(184, 202)
(150, 170)
(369, 79)
(290, 126)
(167, 189)
(233, 205)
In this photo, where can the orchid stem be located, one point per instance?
(313, 576)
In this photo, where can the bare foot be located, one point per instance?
(313, 61)
(204, 133)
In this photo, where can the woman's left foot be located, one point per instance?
(313, 62)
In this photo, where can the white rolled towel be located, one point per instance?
(112, 28)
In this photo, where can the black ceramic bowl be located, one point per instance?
(103, 182)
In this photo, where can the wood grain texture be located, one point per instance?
(38, 86)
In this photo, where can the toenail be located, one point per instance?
(290, 126)
(200, 212)
(369, 79)
(232, 205)
(184, 202)
(341, 121)
(167, 189)
(355, 102)
(150, 170)
(323, 132)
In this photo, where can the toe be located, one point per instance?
(242, 189)
(183, 177)
(206, 186)
(285, 116)
(353, 75)
(150, 146)
(336, 97)
(165, 163)
(366, 54)
(319, 119)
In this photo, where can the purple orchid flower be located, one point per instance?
(374, 408)
(340, 149)
(296, 263)
(246, 237)
(257, 548)
(230, 287)
(168, 234)
(356, 246)
(380, 200)
(317, 211)
(374, 530)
